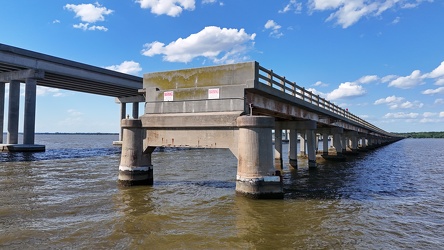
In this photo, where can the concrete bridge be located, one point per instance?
(32, 68)
(237, 107)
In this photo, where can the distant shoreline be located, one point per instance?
(67, 133)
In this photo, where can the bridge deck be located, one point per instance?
(247, 88)
(69, 75)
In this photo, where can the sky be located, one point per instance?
(382, 60)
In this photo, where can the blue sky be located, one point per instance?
(383, 60)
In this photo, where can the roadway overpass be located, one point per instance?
(23, 66)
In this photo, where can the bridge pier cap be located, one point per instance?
(256, 175)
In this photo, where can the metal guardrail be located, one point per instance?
(268, 77)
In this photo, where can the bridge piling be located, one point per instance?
(292, 154)
(2, 109)
(13, 113)
(278, 161)
(256, 175)
(135, 162)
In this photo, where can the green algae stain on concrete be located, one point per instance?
(206, 77)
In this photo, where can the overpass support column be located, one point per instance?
(354, 141)
(135, 110)
(278, 146)
(2, 109)
(293, 154)
(122, 116)
(325, 134)
(344, 140)
(135, 162)
(337, 141)
(13, 112)
(302, 151)
(30, 106)
(256, 175)
(311, 146)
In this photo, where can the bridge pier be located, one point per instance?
(2, 109)
(135, 162)
(292, 154)
(12, 138)
(278, 146)
(256, 175)
(13, 112)
(325, 134)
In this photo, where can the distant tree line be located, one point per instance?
(422, 134)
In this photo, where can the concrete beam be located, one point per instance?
(22, 75)
(130, 99)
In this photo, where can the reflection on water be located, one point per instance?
(388, 198)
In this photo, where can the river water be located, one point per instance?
(68, 197)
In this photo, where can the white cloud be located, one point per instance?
(439, 90)
(220, 45)
(438, 74)
(407, 82)
(367, 79)
(348, 12)
(388, 78)
(395, 102)
(441, 114)
(429, 114)
(89, 13)
(320, 84)
(346, 90)
(43, 91)
(408, 105)
(274, 27)
(167, 7)
(401, 115)
(127, 67)
(56, 21)
(439, 101)
(389, 100)
(85, 26)
(293, 5)
(396, 20)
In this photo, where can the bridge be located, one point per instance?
(23, 66)
(238, 106)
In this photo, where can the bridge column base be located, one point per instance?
(256, 175)
(135, 163)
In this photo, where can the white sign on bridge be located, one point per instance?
(168, 96)
(213, 94)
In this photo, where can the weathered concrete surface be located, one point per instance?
(203, 130)
(256, 175)
(22, 148)
(135, 162)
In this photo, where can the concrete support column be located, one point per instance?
(135, 110)
(2, 109)
(30, 107)
(325, 135)
(13, 112)
(135, 162)
(337, 141)
(311, 147)
(122, 116)
(256, 175)
(354, 141)
(278, 146)
(293, 154)
(344, 143)
(302, 145)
